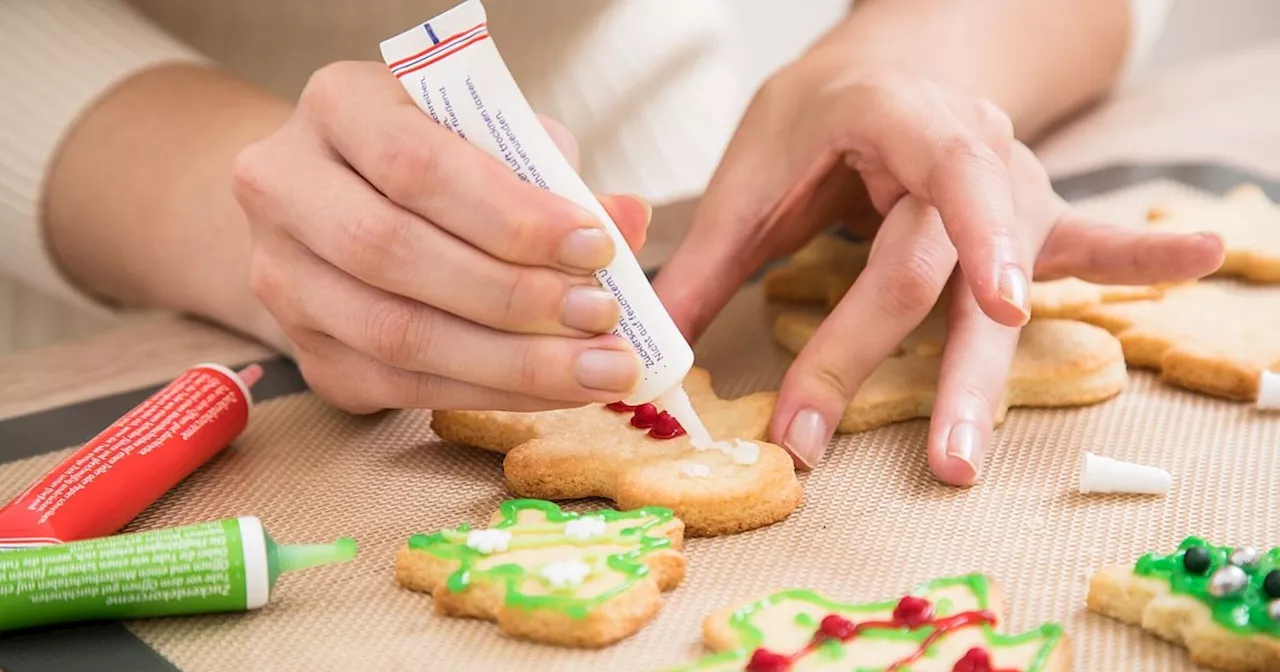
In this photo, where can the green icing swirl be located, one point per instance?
(452, 545)
(1244, 612)
(750, 637)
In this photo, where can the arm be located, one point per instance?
(1039, 61)
(139, 209)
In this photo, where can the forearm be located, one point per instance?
(138, 206)
(1038, 60)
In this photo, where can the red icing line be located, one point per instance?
(661, 425)
(912, 613)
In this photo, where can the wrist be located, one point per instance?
(1038, 62)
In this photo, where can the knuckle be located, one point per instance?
(264, 278)
(533, 371)
(911, 287)
(408, 170)
(826, 374)
(978, 397)
(324, 86)
(424, 391)
(995, 124)
(372, 242)
(393, 333)
(250, 174)
(963, 150)
(531, 298)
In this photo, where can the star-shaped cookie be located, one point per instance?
(596, 451)
(1212, 337)
(822, 272)
(1247, 220)
(1057, 363)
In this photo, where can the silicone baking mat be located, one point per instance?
(873, 523)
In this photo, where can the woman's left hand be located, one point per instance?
(964, 202)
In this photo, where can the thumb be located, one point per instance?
(564, 140)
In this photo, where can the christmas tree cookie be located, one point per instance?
(1221, 603)
(947, 625)
(640, 456)
(583, 580)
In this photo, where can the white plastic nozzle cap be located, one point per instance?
(1102, 474)
(1269, 391)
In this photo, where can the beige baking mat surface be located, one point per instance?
(873, 524)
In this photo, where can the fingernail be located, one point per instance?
(589, 308)
(1015, 291)
(608, 370)
(807, 437)
(588, 249)
(644, 205)
(964, 443)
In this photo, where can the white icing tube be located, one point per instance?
(1269, 391)
(1102, 475)
(453, 71)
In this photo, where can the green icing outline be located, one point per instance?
(452, 545)
(1244, 613)
(750, 638)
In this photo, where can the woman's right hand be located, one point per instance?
(409, 269)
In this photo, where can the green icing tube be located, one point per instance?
(220, 566)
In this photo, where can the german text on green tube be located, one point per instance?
(219, 566)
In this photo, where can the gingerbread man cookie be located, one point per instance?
(1211, 337)
(1247, 221)
(584, 580)
(640, 457)
(948, 625)
(1057, 363)
(1221, 603)
(822, 272)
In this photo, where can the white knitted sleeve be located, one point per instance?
(56, 58)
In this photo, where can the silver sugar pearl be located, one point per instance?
(1273, 609)
(1246, 557)
(1228, 581)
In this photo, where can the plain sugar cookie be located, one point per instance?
(1057, 363)
(1247, 221)
(822, 271)
(1212, 337)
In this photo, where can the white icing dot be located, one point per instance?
(741, 452)
(695, 470)
(566, 573)
(585, 527)
(745, 452)
(489, 541)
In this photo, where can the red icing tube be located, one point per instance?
(116, 475)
